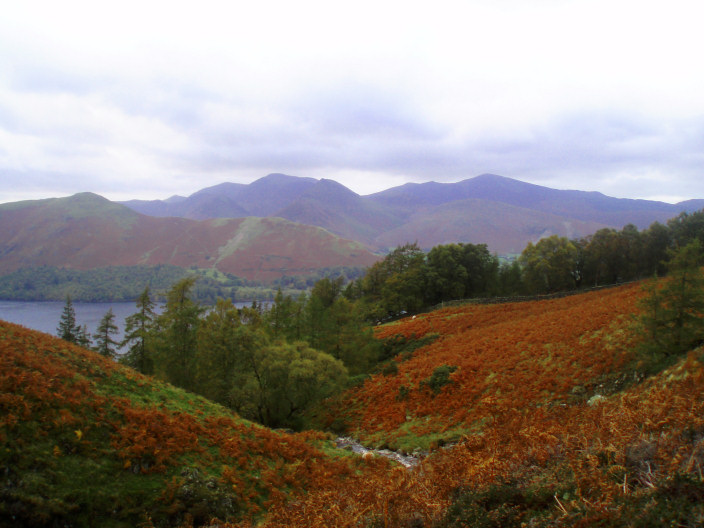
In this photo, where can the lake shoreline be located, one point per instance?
(44, 316)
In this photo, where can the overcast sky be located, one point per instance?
(140, 99)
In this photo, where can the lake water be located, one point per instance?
(44, 316)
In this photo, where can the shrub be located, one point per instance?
(439, 378)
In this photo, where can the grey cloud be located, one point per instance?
(583, 151)
(51, 183)
(176, 103)
(358, 110)
(361, 127)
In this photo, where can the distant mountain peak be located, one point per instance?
(278, 177)
(382, 216)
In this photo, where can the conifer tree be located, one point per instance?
(175, 352)
(138, 335)
(673, 311)
(68, 330)
(104, 343)
(83, 338)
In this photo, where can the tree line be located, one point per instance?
(409, 280)
(124, 283)
(269, 364)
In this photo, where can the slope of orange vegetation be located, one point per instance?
(80, 434)
(633, 459)
(535, 445)
(506, 356)
(535, 452)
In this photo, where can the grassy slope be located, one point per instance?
(84, 440)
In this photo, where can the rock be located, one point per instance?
(596, 399)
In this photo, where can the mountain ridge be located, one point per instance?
(389, 218)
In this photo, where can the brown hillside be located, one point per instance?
(86, 231)
(536, 353)
(506, 228)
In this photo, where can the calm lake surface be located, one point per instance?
(44, 316)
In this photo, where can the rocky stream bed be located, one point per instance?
(408, 461)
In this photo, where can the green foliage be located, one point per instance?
(403, 393)
(240, 357)
(286, 317)
(446, 273)
(104, 343)
(500, 505)
(282, 381)
(201, 498)
(392, 285)
(403, 347)
(672, 317)
(550, 265)
(408, 280)
(139, 335)
(176, 343)
(68, 330)
(112, 284)
(390, 368)
(82, 338)
(327, 321)
(125, 283)
(439, 378)
(227, 340)
(687, 227)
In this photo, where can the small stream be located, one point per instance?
(350, 444)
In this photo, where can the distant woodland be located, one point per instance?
(125, 283)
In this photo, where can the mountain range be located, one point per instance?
(285, 225)
(502, 212)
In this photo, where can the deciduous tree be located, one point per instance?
(550, 264)
(284, 380)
